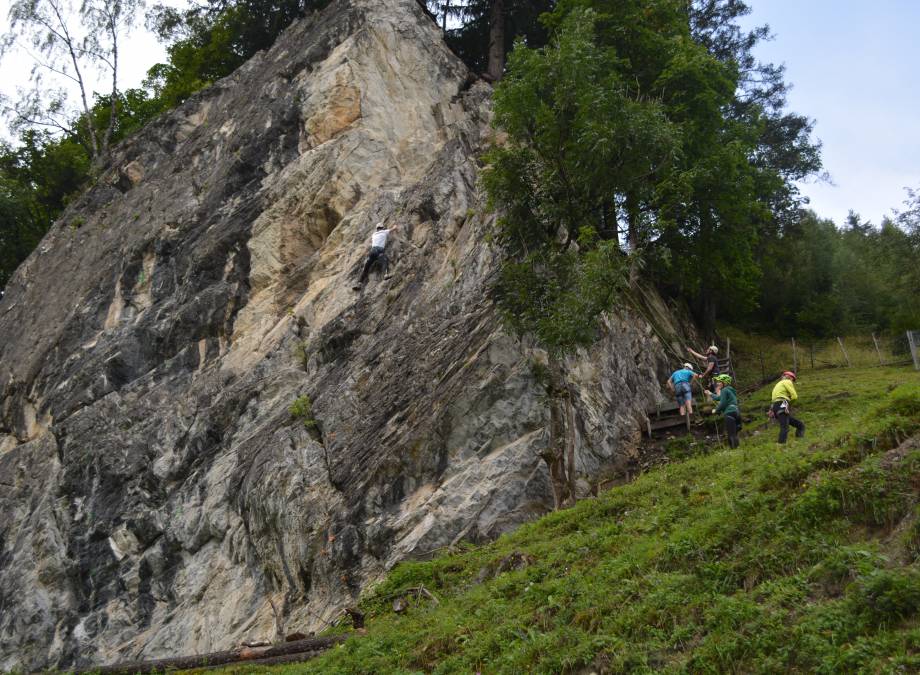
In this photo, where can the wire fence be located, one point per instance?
(758, 359)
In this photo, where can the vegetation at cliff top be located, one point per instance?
(804, 558)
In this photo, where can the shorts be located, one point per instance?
(682, 392)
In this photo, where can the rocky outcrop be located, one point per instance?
(157, 495)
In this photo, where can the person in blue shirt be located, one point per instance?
(679, 383)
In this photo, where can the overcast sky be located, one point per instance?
(855, 69)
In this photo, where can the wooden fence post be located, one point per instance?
(763, 370)
(795, 358)
(877, 350)
(728, 348)
(913, 349)
(844, 350)
(812, 354)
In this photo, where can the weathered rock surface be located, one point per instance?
(156, 495)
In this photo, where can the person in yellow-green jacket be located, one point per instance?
(783, 395)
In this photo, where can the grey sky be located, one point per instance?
(853, 66)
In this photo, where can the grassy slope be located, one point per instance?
(763, 559)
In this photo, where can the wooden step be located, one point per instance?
(663, 408)
(668, 423)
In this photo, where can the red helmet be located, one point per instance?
(790, 375)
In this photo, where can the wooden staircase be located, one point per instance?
(665, 416)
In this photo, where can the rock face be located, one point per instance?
(157, 495)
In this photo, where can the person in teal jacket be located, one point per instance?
(727, 399)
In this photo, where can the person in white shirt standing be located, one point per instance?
(377, 253)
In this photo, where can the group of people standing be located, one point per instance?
(719, 390)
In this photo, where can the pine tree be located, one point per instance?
(485, 30)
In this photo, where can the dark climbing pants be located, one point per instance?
(785, 421)
(376, 254)
(732, 425)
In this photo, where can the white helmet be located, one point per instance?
(688, 366)
(714, 349)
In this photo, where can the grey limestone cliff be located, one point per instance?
(156, 494)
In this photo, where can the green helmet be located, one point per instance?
(724, 379)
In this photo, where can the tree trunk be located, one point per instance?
(561, 450)
(496, 41)
(632, 220)
(553, 455)
(570, 443)
(72, 48)
(302, 648)
(113, 102)
(709, 312)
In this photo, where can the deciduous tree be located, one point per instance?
(67, 45)
(577, 139)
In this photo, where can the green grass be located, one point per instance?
(797, 558)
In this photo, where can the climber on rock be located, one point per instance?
(377, 254)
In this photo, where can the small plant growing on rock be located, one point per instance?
(302, 409)
(302, 355)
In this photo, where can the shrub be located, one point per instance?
(887, 596)
(302, 409)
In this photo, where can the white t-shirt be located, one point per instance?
(379, 238)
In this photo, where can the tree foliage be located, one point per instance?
(34, 183)
(570, 125)
(821, 281)
(209, 41)
(44, 171)
(675, 138)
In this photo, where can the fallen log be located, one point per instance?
(270, 661)
(300, 648)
